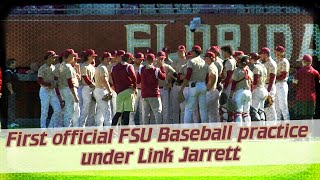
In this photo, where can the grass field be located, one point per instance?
(305, 171)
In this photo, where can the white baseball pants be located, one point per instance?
(48, 97)
(196, 96)
(281, 100)
(103, 114)
(213, 106)
(72, 109)
(271, 114)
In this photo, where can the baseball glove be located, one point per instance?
(107, 97)
(268, 102)
(180, 98)
(223, 98)
(255, 116)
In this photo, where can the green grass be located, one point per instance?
(305, 171)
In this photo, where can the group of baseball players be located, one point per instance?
(159, 90)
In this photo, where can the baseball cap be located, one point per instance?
(90, 52)
(77, 57)
(139, 55)
(166, 49)
(107, 55)
(214, 49)
(161, 54)
(69, 52)
(188, 54)
(196, 48)
(264, 50)
(254, 56)
(113, 53)
(50, 53)
(127, 55)
(280, 49)
(238, 53)
(210, 55)
(182, 48)
(120, 53)
(151, 56)
(307, 58)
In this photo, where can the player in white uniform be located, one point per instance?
(101, 76)
(47, 92)
(87, 74)
(228, 68)
(113, 61)
(212, 91)
(175, 107)
(271, 67)
(242, 78)
(281, 99)
(259, 93)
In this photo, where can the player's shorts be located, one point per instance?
(126, 100)
(305, 108)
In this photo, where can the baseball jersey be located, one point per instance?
(212, 69)
(177, 64)
(47, 73)
(149, 76)
(87, 70)
(168, 61)
(271, 67)
(219, 64)
(306, 83)
(283, 65)
(168, 70)
(101, 71)
(66, 72)
(260, 70)
(199, 69)
(230, 65)
(238, 74)
(123, 77)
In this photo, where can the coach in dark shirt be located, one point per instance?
(8, 107)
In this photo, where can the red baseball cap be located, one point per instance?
(113, 53)
(264, 50)
(50, 53)
(151, 56)
(196, 48)
(90, 52)
(139, 55)
(254, 56)
(127, 55)
(77, 57)
(280, 49)
(120, 53)
(307, 58)
(182, 48)
(69, 52)
(107, 55)
(210, 55)
(188, 54)
(161, 54)
(238, 53)
(214, 49)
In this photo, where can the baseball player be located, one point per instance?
(149, 76)
(87, 74)
(139, 57)
(271, 67)
(167, 60)
(197, 71)
(259, 93)
(305, 89)
(113, 61)
(212, 92)
(68, 83)
(228, 68)
(242, 78)
(165, 87)
(181, 75)
(176, 86)
(102, 88)
(125, 83)
(47, 92)
(281, 99)
(218, 61)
